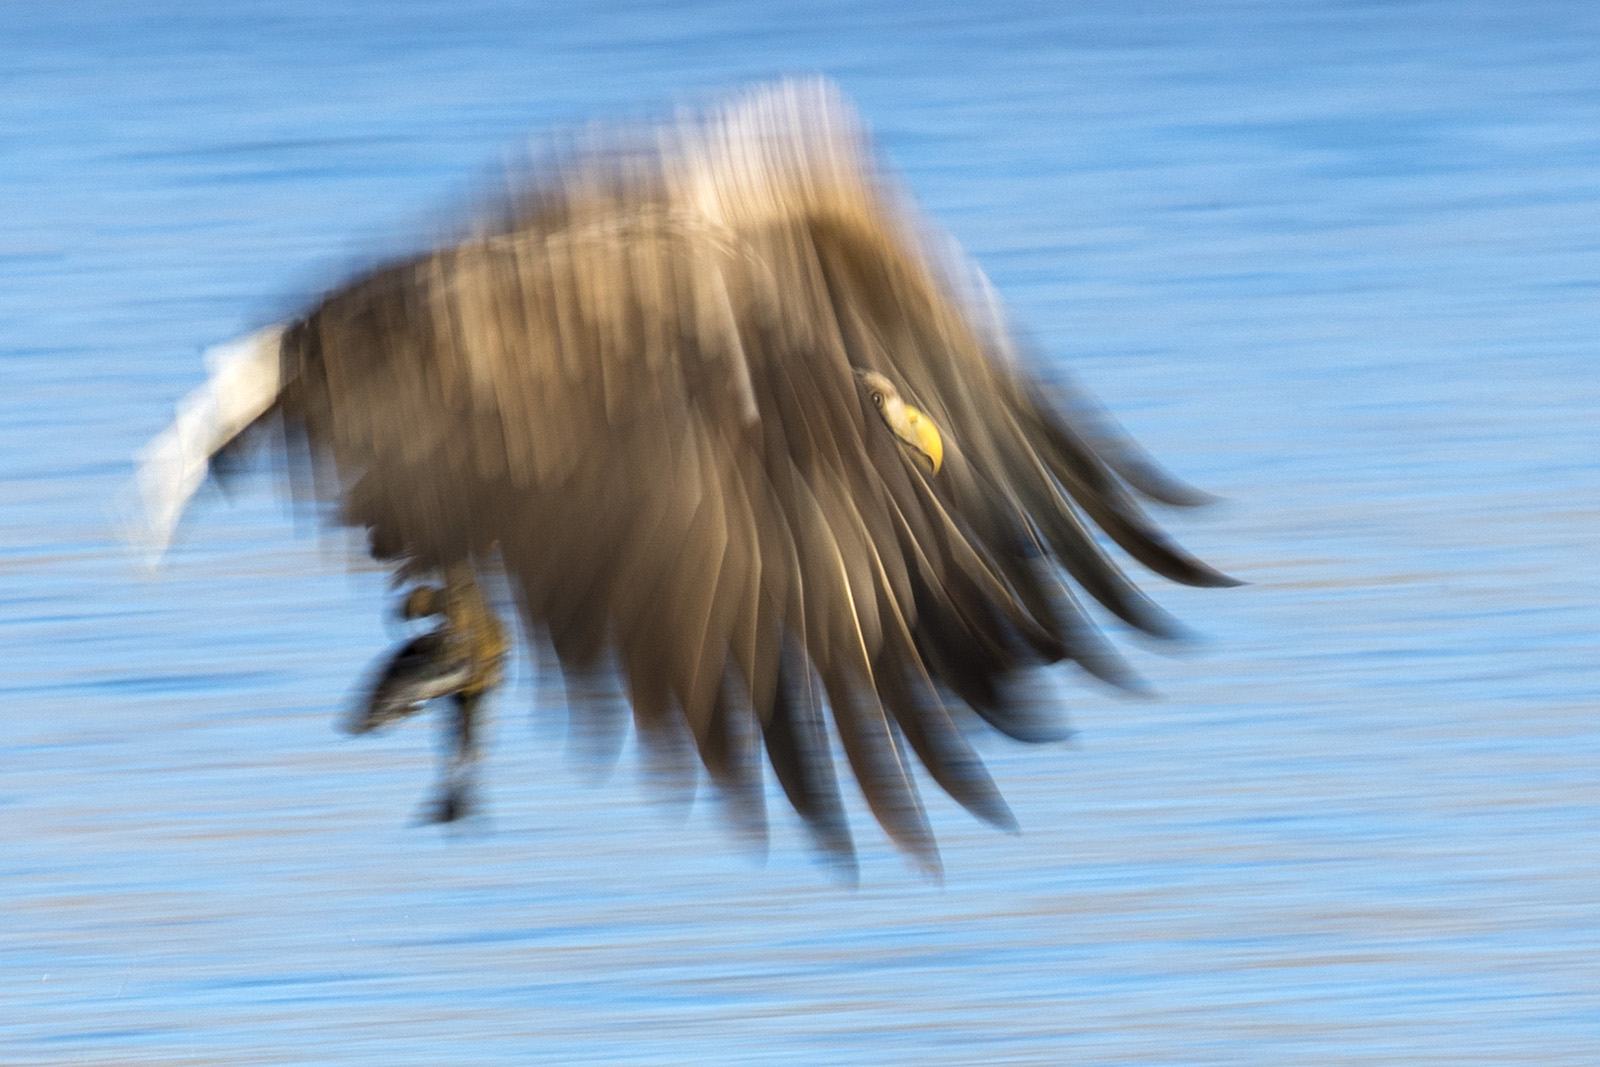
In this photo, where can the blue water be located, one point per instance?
(1339, 263)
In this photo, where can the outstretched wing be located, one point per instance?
(638, 396)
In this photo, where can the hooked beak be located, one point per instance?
(927, 440)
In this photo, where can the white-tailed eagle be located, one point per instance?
(726, 420)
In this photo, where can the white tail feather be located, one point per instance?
(244, 383)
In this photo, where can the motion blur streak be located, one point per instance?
(703, 397)
(1333, 262)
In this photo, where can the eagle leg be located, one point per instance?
(456, 797)
(462, 659)
(475, 637)
(418, 671)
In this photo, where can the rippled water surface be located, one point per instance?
(1339, 263)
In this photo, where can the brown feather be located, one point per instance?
(634, 391)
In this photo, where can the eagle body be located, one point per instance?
(732, 425)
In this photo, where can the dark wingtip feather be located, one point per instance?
(1000, 816)
(1215, 579)
(1008, 715)
(1153, 483)
(1130, 683)
(941, 747)
(1153, 549)
(797, 749)
(842, 866)
(1120, 452)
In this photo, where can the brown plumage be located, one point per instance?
(639, 394)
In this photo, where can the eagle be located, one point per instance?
(730, 425)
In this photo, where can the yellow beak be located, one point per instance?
(927, 441)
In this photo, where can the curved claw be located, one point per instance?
(422, 669)
(462, 659)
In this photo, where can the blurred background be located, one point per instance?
(1338, 263)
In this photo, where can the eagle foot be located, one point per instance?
(461, 659)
